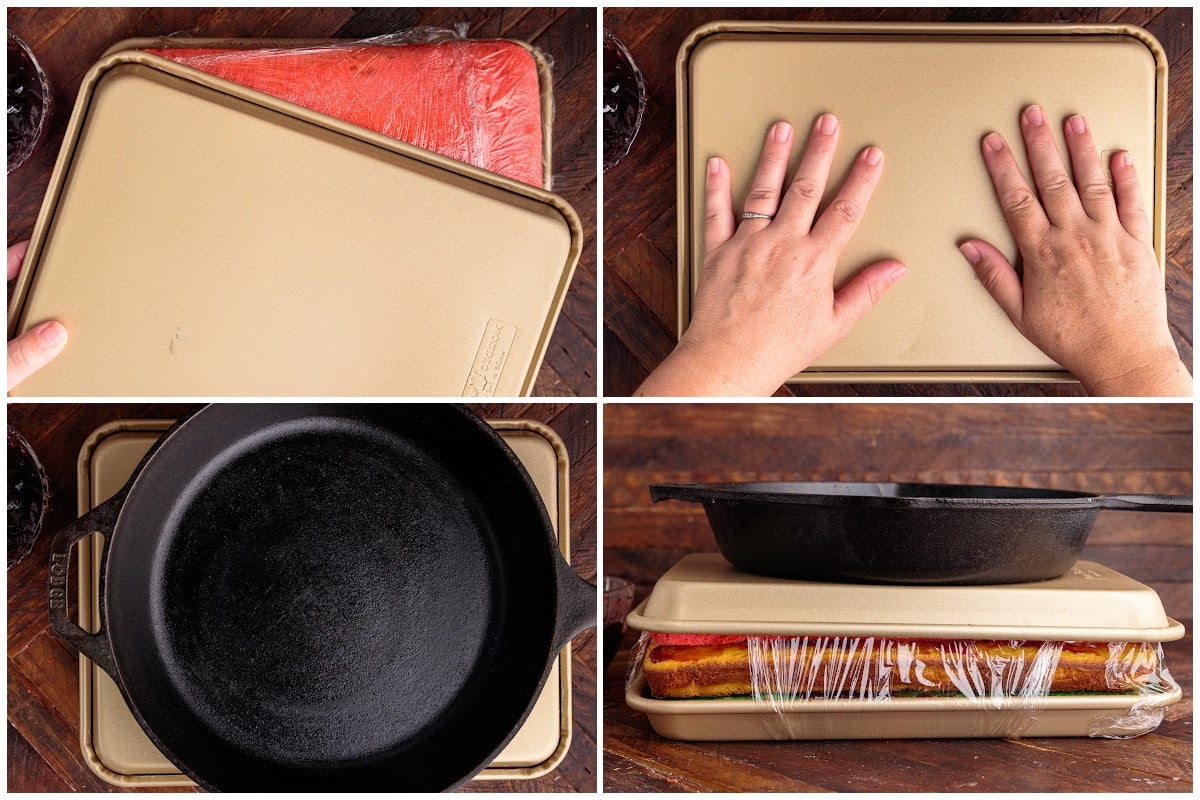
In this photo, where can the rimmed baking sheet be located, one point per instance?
(746, 719)
(703, 593)
(199, 238)
(926, 94)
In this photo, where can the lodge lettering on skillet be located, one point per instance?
(58, 580)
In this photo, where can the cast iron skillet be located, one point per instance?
(327, 596)
(907, 533)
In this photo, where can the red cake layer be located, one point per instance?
(478, 102)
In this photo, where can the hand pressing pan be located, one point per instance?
(906, 533)
(327, 596)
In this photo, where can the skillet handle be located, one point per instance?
(1147, 502)
(576, 605)
(102, 519)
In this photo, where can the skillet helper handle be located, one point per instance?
(576, 605)
(673, 491)
(1147, 502)
(102, 519)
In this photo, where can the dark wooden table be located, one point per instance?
(43, 673)
(1086, 447)
(69, 40)
(639, 193)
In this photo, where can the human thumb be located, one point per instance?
(859, 294)
(34, 349)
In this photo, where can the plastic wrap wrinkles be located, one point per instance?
(1008, 678)
(474, 101)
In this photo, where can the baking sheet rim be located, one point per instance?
(684, 268)
(638, 621)
(87, 669)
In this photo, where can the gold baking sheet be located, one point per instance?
(114, 745)
(926, 94)
(199, 238)
(733, 719)
(545, 77)
(703, 593)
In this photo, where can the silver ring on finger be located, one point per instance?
(753, 215)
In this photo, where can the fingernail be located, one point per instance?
(994, 142)
(714, 166)
(827, 124)
(970, 252)
(1078, 124)
(782, 131)
(52, 334)
(1127, 158)
(1034, 116)
(897, 272)
(873, 155)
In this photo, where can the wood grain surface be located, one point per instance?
(640, 251)
(68, 41)
(43, 673)
(1086, 447)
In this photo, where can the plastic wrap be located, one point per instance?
(480, 102)
(1013, 680)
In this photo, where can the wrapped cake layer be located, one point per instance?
(475, 101)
